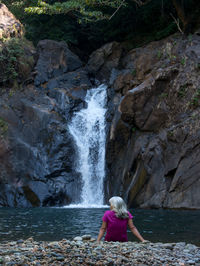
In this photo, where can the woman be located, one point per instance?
(115, 222)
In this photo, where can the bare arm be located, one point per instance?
(102, 231)
(134, 230)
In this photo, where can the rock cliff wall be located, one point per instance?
(153, 116)
(37, 154)
(154, 141)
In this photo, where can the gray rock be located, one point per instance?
(154, 135)
(78, 238)
(86, 237)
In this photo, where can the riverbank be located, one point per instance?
(86, 251)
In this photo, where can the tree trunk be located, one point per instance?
(189, 21)
(180, 12)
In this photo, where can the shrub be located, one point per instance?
(10, 52)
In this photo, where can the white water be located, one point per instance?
(88, 130)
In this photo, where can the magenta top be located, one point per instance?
(116, 227)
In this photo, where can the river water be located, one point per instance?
(52, 224)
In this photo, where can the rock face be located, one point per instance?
(153, 116)
(37, 154)
(154, 142)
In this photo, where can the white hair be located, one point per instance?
(119, 207)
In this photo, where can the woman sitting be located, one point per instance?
(115, 222)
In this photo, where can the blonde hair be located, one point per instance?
(119, 207)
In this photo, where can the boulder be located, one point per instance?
(54, 59)
(9, 26)
(104, 60)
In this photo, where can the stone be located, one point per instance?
(78, 238)
(86, 237)
(191, 262)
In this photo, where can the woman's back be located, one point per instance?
(116, 227)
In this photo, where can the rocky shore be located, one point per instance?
(86, 251)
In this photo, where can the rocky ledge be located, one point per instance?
(86, 251)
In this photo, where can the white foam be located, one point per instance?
(88, 130)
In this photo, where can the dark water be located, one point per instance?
(57, 223)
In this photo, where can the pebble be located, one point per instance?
(85, 251)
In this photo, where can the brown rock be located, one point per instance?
(158, 164)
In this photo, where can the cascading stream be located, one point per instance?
(88, 130)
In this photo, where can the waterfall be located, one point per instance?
(88, 130)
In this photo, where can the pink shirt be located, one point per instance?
(116, 228)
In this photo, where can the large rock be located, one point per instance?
(105, 60)
(54, 59)
(38, 155)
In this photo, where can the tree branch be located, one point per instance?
(177, 23)
(117, 9)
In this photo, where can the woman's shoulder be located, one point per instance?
(130, 215)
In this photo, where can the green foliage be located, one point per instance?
(159, 54)
(195, 101)
(182, 91)
(190, 37)
(10, 52)
(3, 127)
(133, 72)
(89, 9)
(134, 25)
(183, 61)
(133, 129)
(170, 134)
(163, 95)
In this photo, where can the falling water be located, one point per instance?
(88, 130)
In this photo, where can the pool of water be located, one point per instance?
(52, 224)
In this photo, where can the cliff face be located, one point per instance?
(154, 141)
(37, 154)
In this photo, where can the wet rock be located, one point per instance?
(78, 238)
